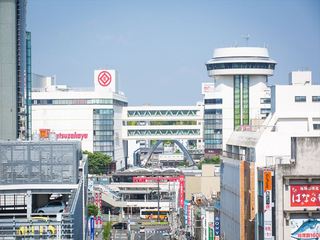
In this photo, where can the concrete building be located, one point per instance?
(297, 188)
(138, 188)
(38, 174)
(92, 116)
(13, 69)
(289, 198)
(239, 94)
(41, 82)
(295, 112)
(205, 181)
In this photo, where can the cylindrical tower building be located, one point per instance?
(240, 76)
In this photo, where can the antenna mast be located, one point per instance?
(246, 37)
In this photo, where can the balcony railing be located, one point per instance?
(281, 160)
(235, 156)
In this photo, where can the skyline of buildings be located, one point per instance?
(267, 138)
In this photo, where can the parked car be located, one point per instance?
(120, 225)
(52, 207)
(37, 226)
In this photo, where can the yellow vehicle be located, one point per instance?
(153, 214)
(38, 226)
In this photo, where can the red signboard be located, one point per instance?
(179, 179)
(307, 195)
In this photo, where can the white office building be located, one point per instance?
(93, 117)
(238, 95)
(295, 112)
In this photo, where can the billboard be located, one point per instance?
(305, 229)
(306, 195)
(179, 179)
(207, 88)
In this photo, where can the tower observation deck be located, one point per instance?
(240, 60)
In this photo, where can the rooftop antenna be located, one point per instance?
(246, 37)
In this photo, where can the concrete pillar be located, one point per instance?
(29, 203)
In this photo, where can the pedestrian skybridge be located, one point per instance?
(162, 122)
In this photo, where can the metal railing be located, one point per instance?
(232, 155)
(36, 227)
(281, 160)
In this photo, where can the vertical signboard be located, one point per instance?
(186, 212)
(216, 228)
(210, 231)
(91, 228)
(189, 214)
(181, 191)
(267, 203)
(305, 228)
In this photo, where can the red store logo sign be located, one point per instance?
(104, 78)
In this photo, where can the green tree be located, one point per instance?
(98, 162)
(213, 160)
(92, 210)
(107, 230)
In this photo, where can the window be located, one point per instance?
(300, 98)
(316, 126)
(96, 101)
(245, 99)
(315, 98)
(213, 101)
(216, 66)
(260, 188)
(213, 111)
(55, 204)
(265, 110)
(265, 100)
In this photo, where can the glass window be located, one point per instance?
(213, 101)
(316, 126)
(315, 98)
(300, 98)
(260, 188)
(213, 111)
(265, 100)
(75, 101)
(245, 99)
(265, 110)
(213, 66)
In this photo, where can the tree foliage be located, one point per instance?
(97, 162)
(107, 230)
(92, 210)
(213, 160)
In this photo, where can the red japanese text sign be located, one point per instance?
(307, 195)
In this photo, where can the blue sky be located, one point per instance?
(160, 48)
